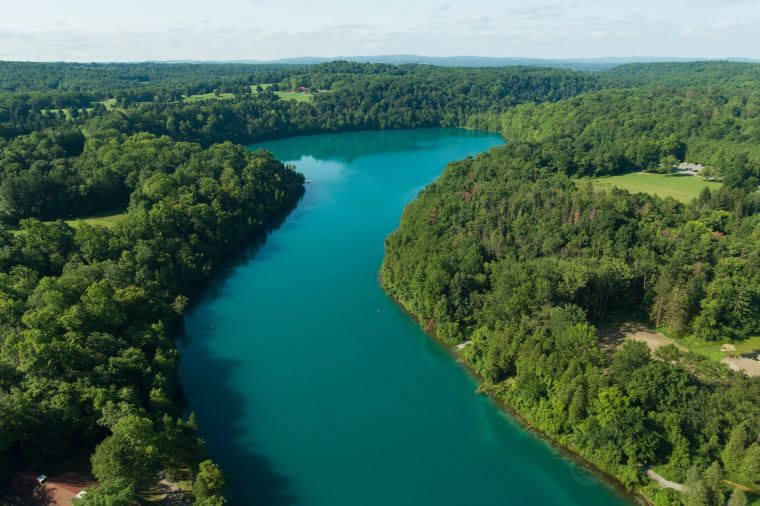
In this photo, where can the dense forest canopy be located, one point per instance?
(622, 130)
(523, 263)
(509, 251)
(106, 77)
(353, 97)
(89, 315)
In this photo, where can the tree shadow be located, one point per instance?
(250, 476)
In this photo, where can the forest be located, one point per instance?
(524, 265)
(89, 316)
(512, 251)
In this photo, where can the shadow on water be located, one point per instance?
(240, 256)
(253, 481)
(211, 380)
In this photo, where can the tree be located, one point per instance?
(697, 493)
(113, 493)
(631, 356)
(209, 482)
(738, 498)
(733, 453)
(750, 467)
(130, 453)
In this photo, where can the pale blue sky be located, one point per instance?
(101, 30)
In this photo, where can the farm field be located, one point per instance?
(683, 188)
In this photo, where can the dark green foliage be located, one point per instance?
(616, 131)
(505, 250)
(354, 97)
(87, 318)
(521, 260)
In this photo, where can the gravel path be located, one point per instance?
(665, 483)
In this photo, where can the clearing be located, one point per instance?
(298, 96)
(610, 340)
(295, 95)
(680, 187)
(208, 96)
(103, 220)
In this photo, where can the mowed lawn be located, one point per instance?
(683, 188)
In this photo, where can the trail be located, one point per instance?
(665, 483)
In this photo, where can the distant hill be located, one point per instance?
(484, 61)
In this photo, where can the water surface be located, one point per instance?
(313, 388)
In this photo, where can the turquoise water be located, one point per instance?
(313, 388)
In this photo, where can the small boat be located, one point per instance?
(309, 181)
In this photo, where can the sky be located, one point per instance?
(139, 30)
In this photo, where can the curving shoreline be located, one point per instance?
(456, 353)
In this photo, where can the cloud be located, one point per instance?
(546, 28)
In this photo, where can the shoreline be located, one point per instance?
(610, 480)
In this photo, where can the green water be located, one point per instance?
(312, 387)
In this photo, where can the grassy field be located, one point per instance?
(712, 350)
(292, 95)
(284, 95)
(683, 188)
(208, 96)
(103, 220)
(288, 95)
(109, 103)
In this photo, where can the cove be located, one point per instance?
(312, 387)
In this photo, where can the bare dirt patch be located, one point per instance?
(611, 340)
(749, 366)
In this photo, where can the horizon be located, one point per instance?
(412, 58)
(265, 30)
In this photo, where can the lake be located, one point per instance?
(312, 387)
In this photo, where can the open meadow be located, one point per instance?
(683, 188)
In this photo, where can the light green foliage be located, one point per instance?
(735, 448)
(107, 220)
(750, 467)
(113, 493)
(209, 482)
(738, 498)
